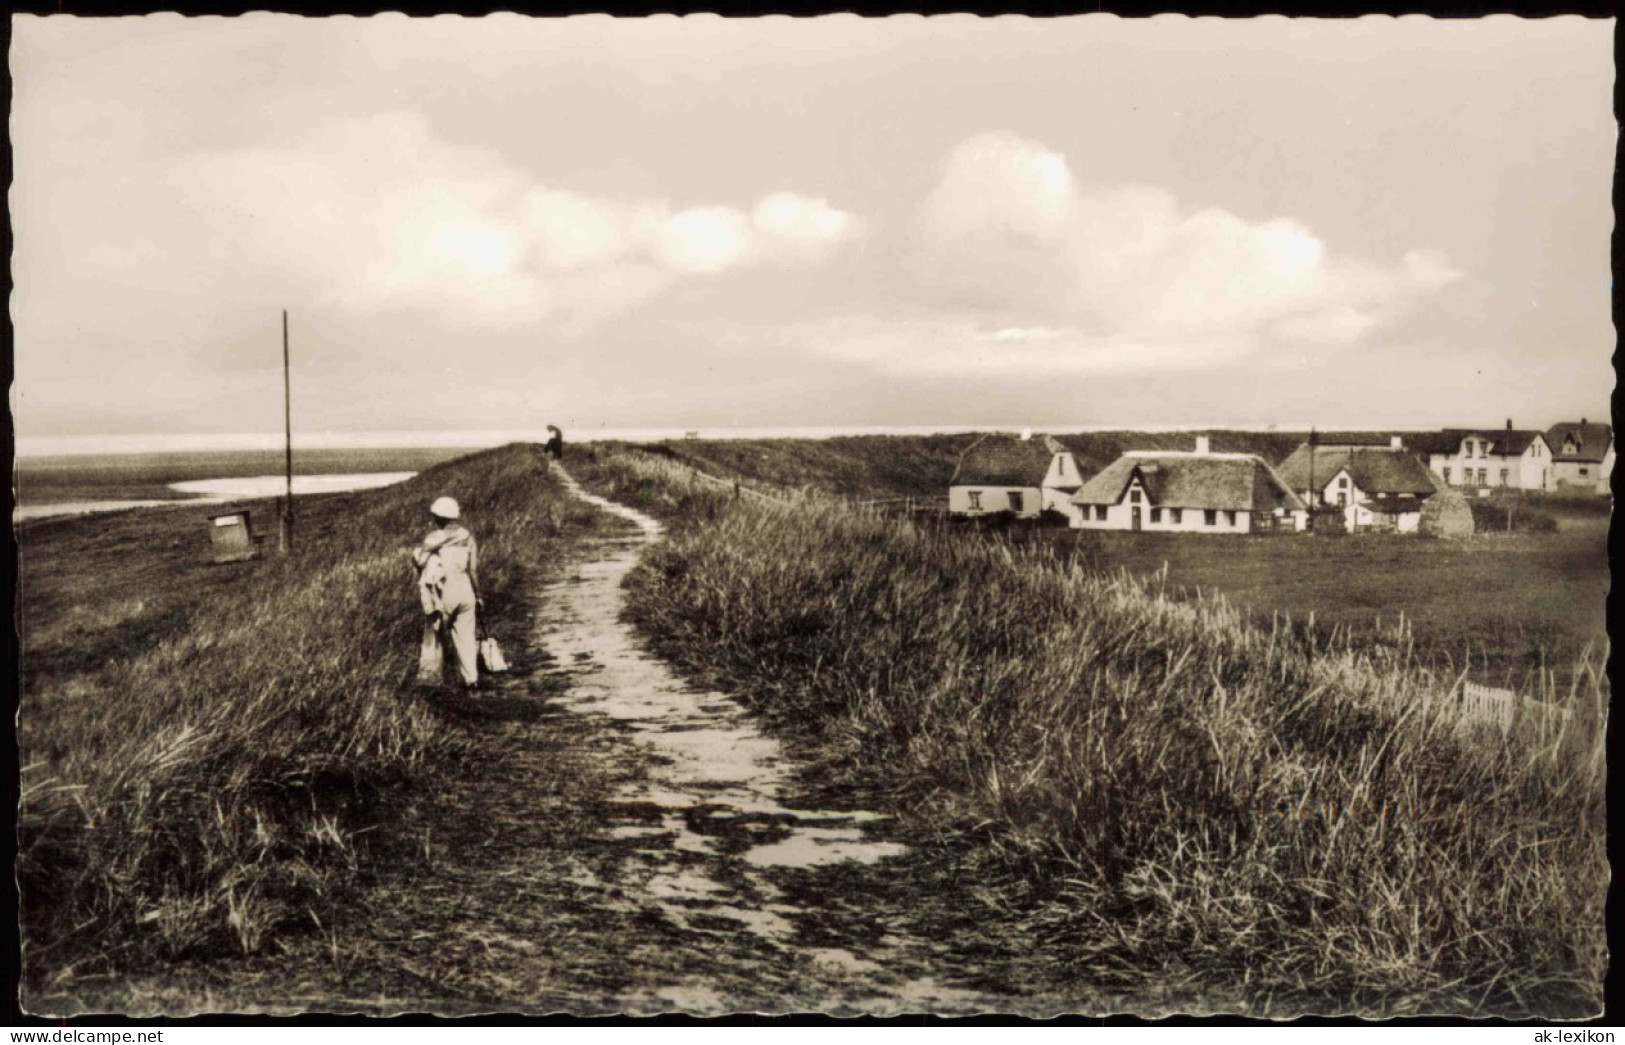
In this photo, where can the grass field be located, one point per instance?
(1142, 789)
(212, 755)
(886, 466)
(1500, 607)
(53, 480)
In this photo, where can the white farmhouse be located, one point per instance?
(1481, 460)
(1200, 492)
(1024, 474)
(1378, 488)
(1582, 456)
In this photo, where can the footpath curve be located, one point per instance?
(710, 843)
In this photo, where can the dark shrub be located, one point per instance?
(1492, 515)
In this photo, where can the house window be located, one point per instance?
(1134, 495)
(1447, 474)
(1229, 518)
(1483, 476)
(1100, 512)
(1585, 472)
(1342, 499)
(1156, 515)
(1504, 473)
(1209, 516)
(1175, 515)
(976, 500)
(1015, 501)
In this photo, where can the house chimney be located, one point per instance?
(1395, 443)
(1582, 422)
(1509, 424)
(1201, 444)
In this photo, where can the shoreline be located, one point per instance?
(42, 448)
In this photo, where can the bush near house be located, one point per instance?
(1149, 790)
(1510, 515)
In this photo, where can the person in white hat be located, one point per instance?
(449, 588)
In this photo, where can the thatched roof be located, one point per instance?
(1393, 505)
(1591, 440)
(1232, 482)
(1446, 441)
(1004, 459)
(1504, 442)
(1356, 438)
(1374, 471)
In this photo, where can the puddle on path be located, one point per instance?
(708, 827)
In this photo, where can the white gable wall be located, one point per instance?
(1358, 518)
(1060, 483)
(1584, 474)
(1531, 470)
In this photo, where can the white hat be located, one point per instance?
(444, 508)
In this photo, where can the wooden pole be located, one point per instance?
(287, 443)
(1313, 497)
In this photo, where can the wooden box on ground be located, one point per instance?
(231, 537)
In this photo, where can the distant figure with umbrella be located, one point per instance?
(555, 443)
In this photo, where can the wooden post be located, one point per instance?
(287, 443)
(1314, 498)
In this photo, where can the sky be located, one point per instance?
(698, 222)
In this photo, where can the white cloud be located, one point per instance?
(705, 240)
(809, 228)
(1024, 334)
(1008, 229)
(998, 186)
(380, 214)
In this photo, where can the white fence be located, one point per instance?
(1504, 709)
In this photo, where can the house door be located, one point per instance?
(1134, 518)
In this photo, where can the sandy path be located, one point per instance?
(615, 841)
(709, 840)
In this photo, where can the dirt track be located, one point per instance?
(707, 844)
(623, 843)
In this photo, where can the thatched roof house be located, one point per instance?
(1026, 474)
(1005, 459)
(1375, 471)
(1155, 490)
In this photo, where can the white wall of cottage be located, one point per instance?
(1120, 516)
(1531, 470)
(990, 499)
(1062, 472)
(1591, 475)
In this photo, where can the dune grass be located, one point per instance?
(209, 752)
(1509, 608)
(1152, 790)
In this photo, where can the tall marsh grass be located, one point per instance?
(214, 784)
(1160, 788)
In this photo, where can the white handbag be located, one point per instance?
(491, 656)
